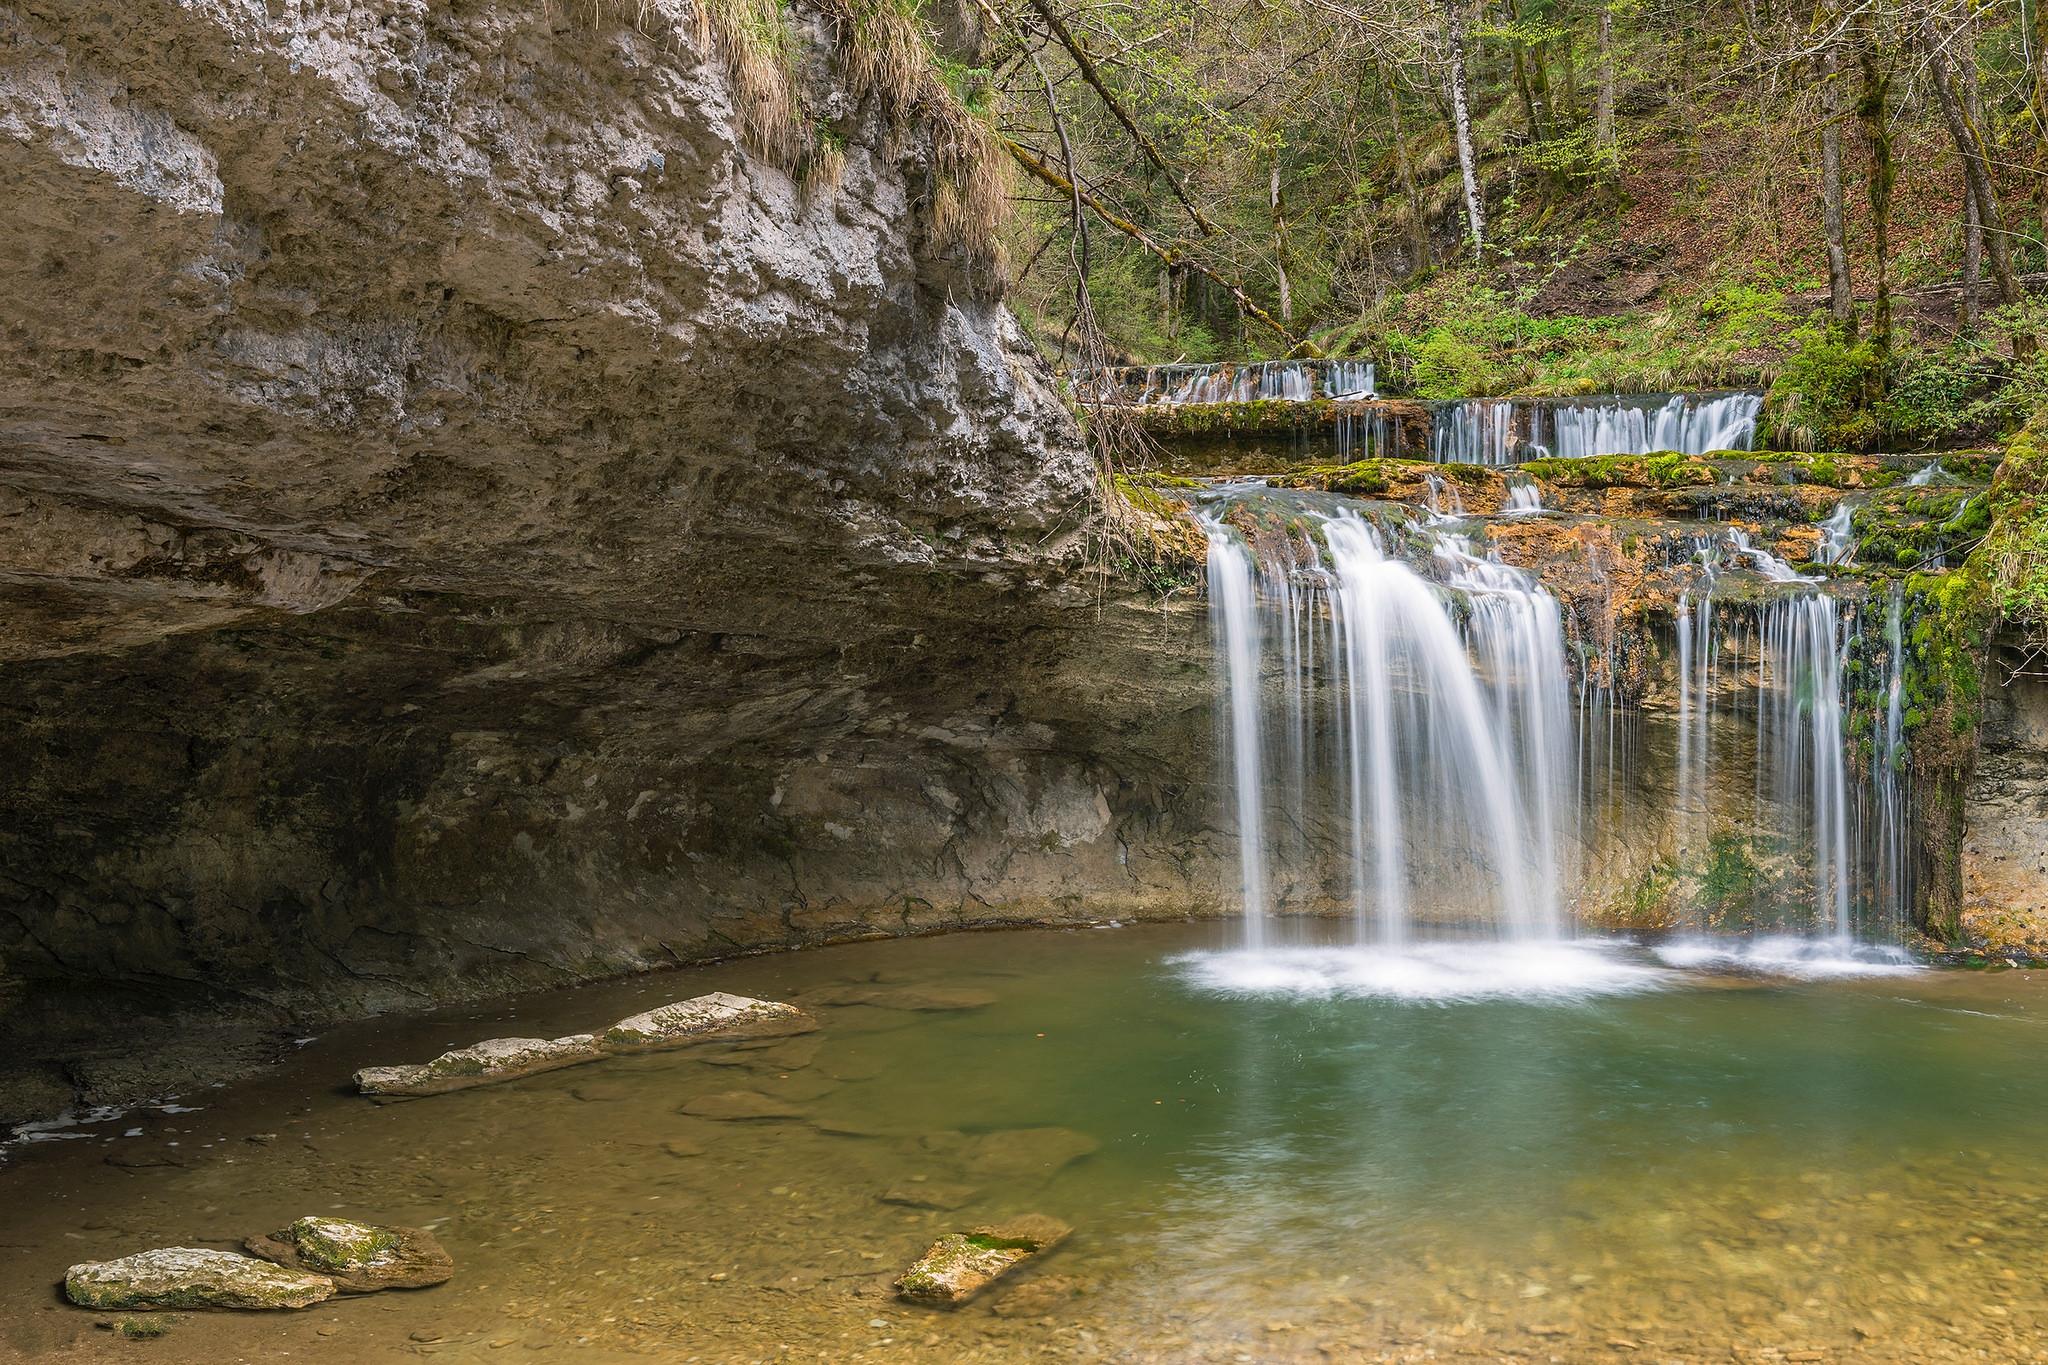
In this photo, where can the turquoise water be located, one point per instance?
(1700, 1163)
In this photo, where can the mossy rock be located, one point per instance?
(961, 1264)
(359, 1257)
(190, 1278)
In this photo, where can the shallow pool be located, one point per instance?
(1628, 1155)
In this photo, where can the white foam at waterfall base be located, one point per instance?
(1441, 973)
(1788, 955)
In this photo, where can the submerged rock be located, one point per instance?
(932, 999)
(932, 1194)
(961, 1264)
(192, 1277)
(1016, 1152)
(502, 1059)
(359, 1257)
(730, 1105)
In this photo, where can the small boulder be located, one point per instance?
(360, 1258)
(687, 1020)
(732, 1105)
(192, 1277)
(962, 1264)
(494, 1059)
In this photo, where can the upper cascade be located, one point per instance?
(1295, 381)
(1487, 431)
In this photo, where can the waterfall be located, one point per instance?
(1837, 536)
(1894, 869)
(1435, 720)
(1473, 431)
(1288, 381)
(1348, 379)
(1687, 424)
(1799, 736)
(1498, 431)
(1234, 625)
(1524, 499)
(1697, 667)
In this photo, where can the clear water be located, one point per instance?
(1707, 1165)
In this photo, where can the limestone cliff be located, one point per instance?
(470, 524)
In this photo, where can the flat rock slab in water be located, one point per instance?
(962, 1264)
(504, 1059)
(360, 1258)
(1016, 1152)
(932, 1194)
(733, 1105)
(192, 1277)
(926, 998)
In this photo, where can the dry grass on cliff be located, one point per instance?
(889, 57)
(886, 55)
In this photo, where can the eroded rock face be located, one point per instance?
(469, 524)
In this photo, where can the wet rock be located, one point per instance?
(359, 1257)
(932, 1194)
(192, 1277)
(688, 1020)
(502, 1059)
(1019, 1152)
(485, 1063)
(683, 1148)
(739, 1105)
(961, 1264)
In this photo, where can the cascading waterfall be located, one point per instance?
(1837, 536)
(1500, 431)
(1698, 656)
(1290, 381)
(1436, 720)
(1690, 425)
(1409, 737)
(1799, 738)
(1894, 867)
(1234, 625)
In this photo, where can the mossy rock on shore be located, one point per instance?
(961, 1264)
(192, 1277)
(360, 1258)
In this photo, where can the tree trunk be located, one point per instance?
(1418, 225)
(1976, 165)
(1603, 115)
(1973, 225)
(1841, 293)
(1280, 244)
(1461, 124)
(1870, 109)
(1973, 265)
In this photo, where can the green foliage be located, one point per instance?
(2015, 550)
(1821, 397)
